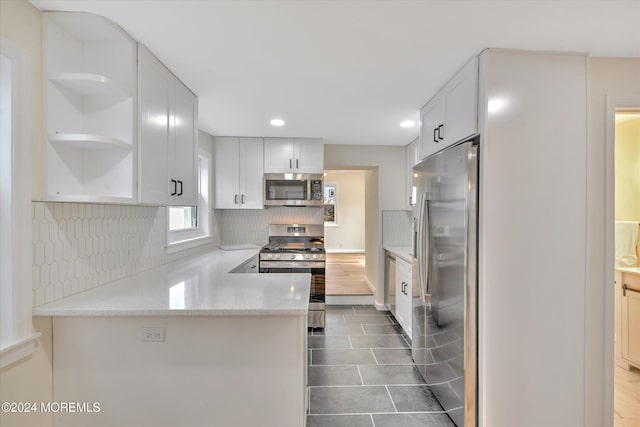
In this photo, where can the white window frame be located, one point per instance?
(335, 222)
(16, 334)
(178, 240)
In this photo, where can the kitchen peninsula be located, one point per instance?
(193, 342)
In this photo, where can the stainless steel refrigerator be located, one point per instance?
(445, 227)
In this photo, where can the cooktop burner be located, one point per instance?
(293, 247)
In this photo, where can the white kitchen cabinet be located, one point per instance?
(167, 172)
(239, 173)
(627, 319)
(89, 84)
(403, 295)
(451, 115)
(293, 155)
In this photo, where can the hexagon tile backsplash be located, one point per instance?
(80, 246)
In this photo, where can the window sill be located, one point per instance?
(188, 244)
(17, 350)
(331, 224)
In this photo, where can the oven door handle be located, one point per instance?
(292, 264)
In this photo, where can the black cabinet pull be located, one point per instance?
(440, 132)
(242, 199)
(180, 193)
(297, 164)
(235, 199)
(435, 139)
(290, 164)
(175, 187)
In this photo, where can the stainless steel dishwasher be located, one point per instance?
(390, 283)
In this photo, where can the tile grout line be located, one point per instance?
(391, 398)
(374, 356)
(360, 374)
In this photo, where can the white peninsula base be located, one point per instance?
(240, 371)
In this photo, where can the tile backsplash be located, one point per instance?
(396, 228)
(80, 246)
(251, 226)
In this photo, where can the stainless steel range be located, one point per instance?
(299, 248)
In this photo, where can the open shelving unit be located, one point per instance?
(90, 117)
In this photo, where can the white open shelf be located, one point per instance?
(90, 91)
(92, 85)
(86, 141)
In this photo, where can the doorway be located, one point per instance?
(627, 264)
(345, 217)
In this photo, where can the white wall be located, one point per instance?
(388, 164)
(30, 379)
(532, 266)
(609, 77)
(348, 235)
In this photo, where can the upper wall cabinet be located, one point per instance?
(238, 180)
(293, 155)
(451, 115)
(89, 73)
(167, 172)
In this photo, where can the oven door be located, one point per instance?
(316, 317)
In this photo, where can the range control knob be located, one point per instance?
(277, 256)
(307, 256)
(269, 256)
(315, 256)
(293, 256)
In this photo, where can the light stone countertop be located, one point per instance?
(634, 270)
(403, 252)
(194, 286)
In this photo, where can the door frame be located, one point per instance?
(613, 103)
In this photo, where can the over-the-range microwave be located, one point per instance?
(293, 189)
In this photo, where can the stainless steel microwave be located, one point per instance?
(293, 189)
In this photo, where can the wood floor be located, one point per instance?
(626, 401)
(344, 275)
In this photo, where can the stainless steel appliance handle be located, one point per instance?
(292, 264)
(426, 237)
(420, 248)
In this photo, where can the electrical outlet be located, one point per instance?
(152, 334)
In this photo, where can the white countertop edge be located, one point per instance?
(633, 270)
(172, 313)
(403, 252)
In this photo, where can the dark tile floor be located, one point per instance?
(361, 374)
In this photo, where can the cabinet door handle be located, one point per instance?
(175, 187)
(435, 139)
(440, 129)
(297, 164)
(242, 199)
(180, 193)
(626, 288)
(235, 199)
(290, 164)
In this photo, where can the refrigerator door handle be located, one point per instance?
(423, 270)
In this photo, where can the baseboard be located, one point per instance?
(370, 285)
(344, 251)
(349, 299)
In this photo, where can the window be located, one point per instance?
(16, 328)
(189, 225)
(330, 204)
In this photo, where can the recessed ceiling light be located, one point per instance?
(277, 122)
(407, 124)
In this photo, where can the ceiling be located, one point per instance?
(346, 71)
